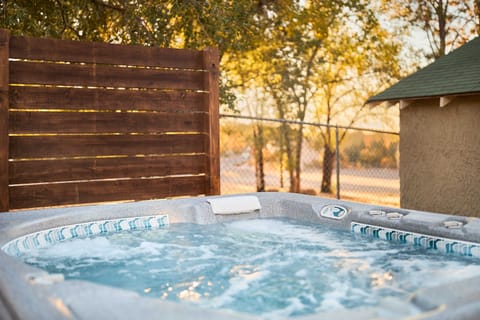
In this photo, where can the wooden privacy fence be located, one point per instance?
(85, 122)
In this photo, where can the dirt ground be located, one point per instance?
(369, 185)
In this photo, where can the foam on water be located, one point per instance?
(286, 231)
(273, 268)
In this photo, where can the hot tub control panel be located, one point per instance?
(333, 211)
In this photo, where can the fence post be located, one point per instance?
(4, 105)
(211, 61)
(337, 157)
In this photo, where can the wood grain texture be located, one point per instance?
(41, 195)
(28, 147)
(22, 72)
(106, 122)
(38, 171)
(4, 105)
(106, 99)
(91, 122)
(103, 53)
(211, 60)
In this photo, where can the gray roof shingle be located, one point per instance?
(455, 73)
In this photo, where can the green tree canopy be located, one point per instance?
(310, 58)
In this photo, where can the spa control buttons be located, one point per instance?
(333, 211)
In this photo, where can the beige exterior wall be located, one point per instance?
(440, 156)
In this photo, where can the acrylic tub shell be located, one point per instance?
(30, 293)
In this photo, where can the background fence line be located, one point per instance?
(365, 167)
(315, 124)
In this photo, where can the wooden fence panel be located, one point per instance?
(106, 122)
(89, 122)
(74, 146)
(210, 61)
(34, 171)
(46, 98)
(41, 195)
(4, 105)
(103, 53)
(36, 73)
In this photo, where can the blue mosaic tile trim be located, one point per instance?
(45, 238)
(444, 245)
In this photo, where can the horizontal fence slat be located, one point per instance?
(106, 122)
(104, 53)
(42, 195)
(105, 99)
(103, 76)
(27, 147)
(40, 171)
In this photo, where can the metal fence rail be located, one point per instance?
(364, 169)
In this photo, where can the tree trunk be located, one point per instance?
(290, 158)
(328, 163)
(477, 15)
(259, 163)
(298, 159)
(442, 32)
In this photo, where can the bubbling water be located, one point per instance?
(271, 267)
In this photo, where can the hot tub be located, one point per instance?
(28, 292)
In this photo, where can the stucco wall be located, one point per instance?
(440, 156)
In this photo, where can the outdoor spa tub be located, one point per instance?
(249, 256)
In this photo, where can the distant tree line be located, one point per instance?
(306, 60)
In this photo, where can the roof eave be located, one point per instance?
(375, 101)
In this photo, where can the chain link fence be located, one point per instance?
(260, 154)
